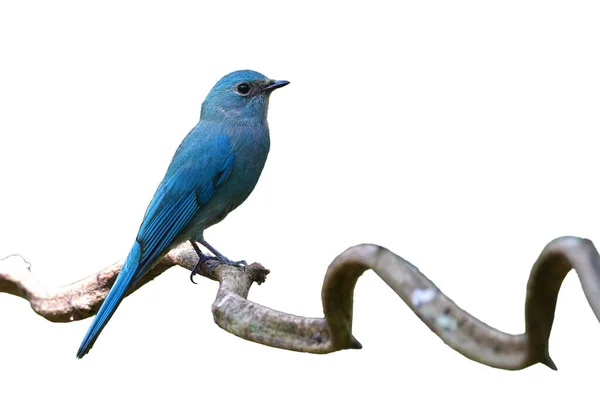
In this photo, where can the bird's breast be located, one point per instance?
(250, 147)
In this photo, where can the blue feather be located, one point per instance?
(213, 171)
(115, 296)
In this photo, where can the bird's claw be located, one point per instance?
(239, 264)
(211, 262)
(214, 261)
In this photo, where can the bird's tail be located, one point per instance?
(112, 301)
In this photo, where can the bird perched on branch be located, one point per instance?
(212, 172)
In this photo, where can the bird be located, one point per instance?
(213, 171)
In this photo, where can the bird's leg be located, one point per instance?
(221, 257)
(202, 259)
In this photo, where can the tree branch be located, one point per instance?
(234, 313)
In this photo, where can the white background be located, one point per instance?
(460, 135)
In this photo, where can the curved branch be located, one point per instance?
(234, 313)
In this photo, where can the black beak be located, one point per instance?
(274, 85)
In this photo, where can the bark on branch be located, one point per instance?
(234, 313)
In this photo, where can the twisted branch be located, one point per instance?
(234, 313)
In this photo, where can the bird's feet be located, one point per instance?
(210, 262)
(225, 260)
(221, 257)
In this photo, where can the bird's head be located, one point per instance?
(241, 96)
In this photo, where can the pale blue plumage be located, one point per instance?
(212, 172)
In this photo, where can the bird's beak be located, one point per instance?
(275, 85)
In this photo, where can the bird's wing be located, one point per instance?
(178, 198)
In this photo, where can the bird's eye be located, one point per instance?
(243, 88)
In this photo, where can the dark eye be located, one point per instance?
(243, 88)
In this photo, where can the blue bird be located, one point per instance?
(212, 172)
